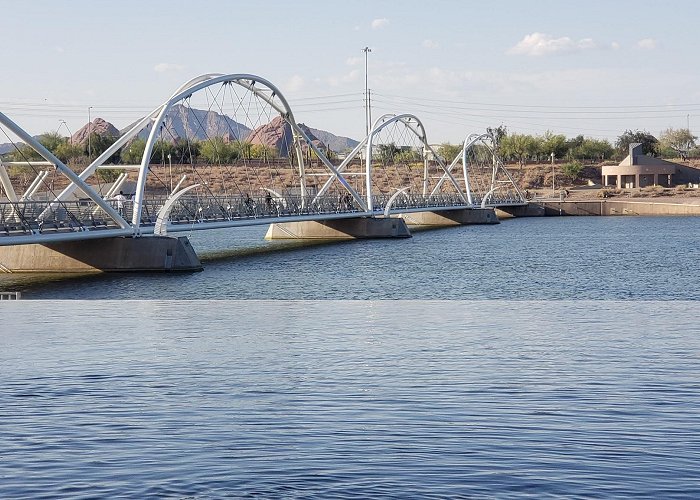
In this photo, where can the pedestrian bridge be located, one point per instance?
(225, 151)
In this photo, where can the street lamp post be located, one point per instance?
(368, 115)
(170, 166)
(552, 157)
(70, 134)
(89, 133)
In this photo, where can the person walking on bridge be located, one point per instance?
(120, 199)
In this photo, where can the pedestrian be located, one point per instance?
(120, 199)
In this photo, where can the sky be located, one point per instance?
(595, 68)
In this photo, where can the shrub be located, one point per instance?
(572, 169)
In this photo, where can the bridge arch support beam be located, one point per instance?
(264, 90)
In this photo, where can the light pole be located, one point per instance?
(89, 133)
(552, 156)
(368, 116)
(70, 134)
(170, 166)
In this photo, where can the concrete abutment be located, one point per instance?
(125, 254)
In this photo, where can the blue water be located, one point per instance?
(368, 399)
(570, 370)
(538, 258)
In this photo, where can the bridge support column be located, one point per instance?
(339, 229)
(460, 217)
(148, 253)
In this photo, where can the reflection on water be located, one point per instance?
(537, 258)
(363, 399)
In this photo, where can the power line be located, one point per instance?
(453, 101)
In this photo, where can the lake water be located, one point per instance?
(522, 387)
(523, 259)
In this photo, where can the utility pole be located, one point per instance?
(368, 115)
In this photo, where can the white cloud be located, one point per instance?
(353, 61)
(615, 46)
(647, 44)
(295, 83)
(379, 23)
(351, 77)
(165, 67)
(540, 44)
(430, 44)
(59, 49)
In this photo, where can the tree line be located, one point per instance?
(523, 148)
(513, 147)
(180, 151)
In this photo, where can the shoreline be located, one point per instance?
(661, 206)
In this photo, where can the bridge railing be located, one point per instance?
(195, 209)
(416, 201)
(33, 217)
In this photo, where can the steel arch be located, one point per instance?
(248, 82)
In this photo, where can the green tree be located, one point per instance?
(649, 143)
(184, 151)
(681, 141)
(261, 151)
(387, 152)
(132, 153)
(52, 141)
(592, 149)
(161, 150)
(67, 151)
(448, 151)
(242, 149)
(25, 152)
(519, 147)
(553, 143)
(407, 155)
(216, 150)
(497, 133)
(98, 144)
(572, 169)
(107, 174)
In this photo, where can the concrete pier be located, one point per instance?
(459, 217)
(339, 229)
(148, 253)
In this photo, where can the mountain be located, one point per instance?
(97, 126)
(278, 135)
(197, 124)
(336, 143)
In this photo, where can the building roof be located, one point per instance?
(638, 163)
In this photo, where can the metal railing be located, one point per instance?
(40, 217)
(35, 217)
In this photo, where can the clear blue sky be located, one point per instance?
(594, 67)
